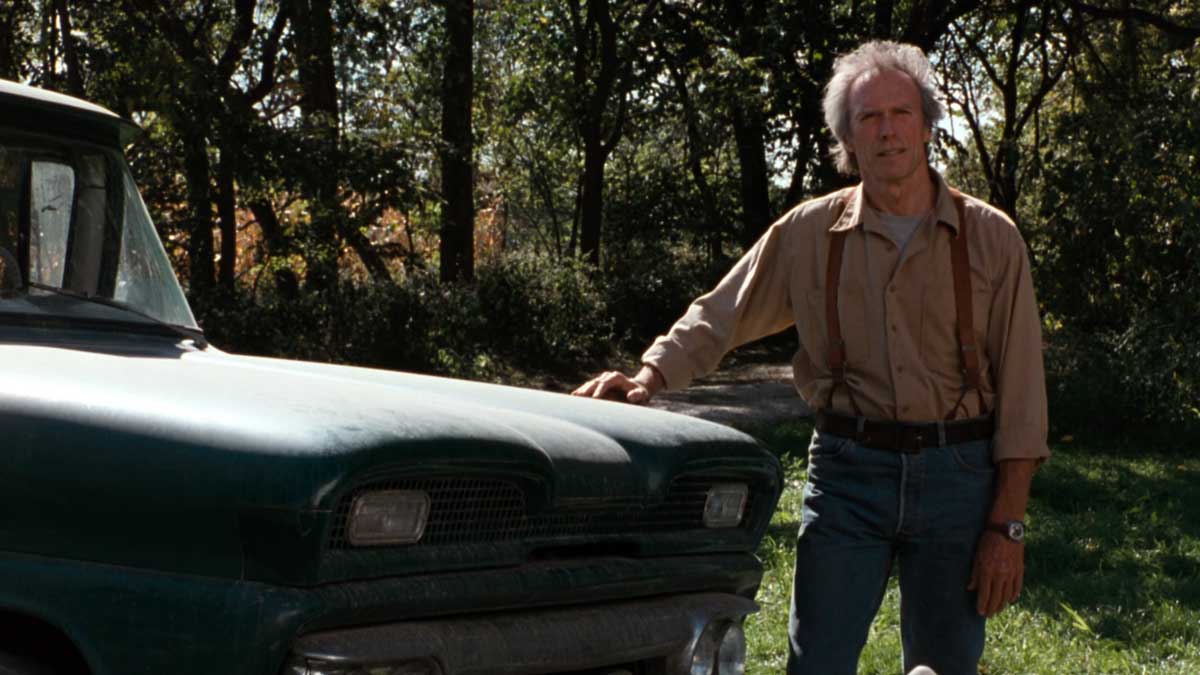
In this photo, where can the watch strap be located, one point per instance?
(1005, 528)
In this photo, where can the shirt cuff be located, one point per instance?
(1020, 443)
(675, 369)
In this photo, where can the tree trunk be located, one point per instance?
(49, 51)
(457, 246)
(749, 127)
(200, 235)
(749, 132)
(883, 19)
(286, 283)
(695, 144)
(591, 201)
(596, 30)
(227, 217)
(366, 252)
(70, 51)
(268, 222)
(313, 24)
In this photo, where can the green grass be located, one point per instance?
(1112, 581)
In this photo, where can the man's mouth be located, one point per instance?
(890, 153)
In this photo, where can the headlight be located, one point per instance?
(304, 666)
(721, 650)
(388, 517)
(725, 505)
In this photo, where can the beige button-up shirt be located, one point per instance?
(897, 314)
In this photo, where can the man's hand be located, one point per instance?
(998, 573)
(612, 384)
(999, 568)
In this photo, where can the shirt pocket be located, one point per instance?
(852, 308)
(939, 326)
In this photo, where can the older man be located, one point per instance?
(920, 346)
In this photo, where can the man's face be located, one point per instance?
(887, 127)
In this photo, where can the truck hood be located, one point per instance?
(347, 419)
(179, 436)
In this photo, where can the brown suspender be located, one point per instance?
(833, 321)
(960, 263)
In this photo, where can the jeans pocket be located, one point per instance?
(975, 457)
(827, 446)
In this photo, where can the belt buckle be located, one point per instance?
(911, 440)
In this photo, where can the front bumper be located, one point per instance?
(655, 634)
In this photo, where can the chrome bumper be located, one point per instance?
(662, 630)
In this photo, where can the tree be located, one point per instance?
(602, 75)
(14, 49)
(1018, 55)
(313, 47)
(457, 157)
(749, 127)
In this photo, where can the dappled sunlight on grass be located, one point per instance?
(1113, 570)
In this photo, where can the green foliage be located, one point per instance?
(648, 288)
(544, 314)
(1116, 244)
(522, 312)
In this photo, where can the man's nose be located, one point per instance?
(887, 126)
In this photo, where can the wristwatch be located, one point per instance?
(1013, 530)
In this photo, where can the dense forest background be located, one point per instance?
(493, 188)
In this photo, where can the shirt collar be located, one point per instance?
(857, 213)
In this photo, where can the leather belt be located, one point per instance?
(905, 437)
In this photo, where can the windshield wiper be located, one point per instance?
(194, 334)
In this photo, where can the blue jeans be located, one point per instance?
(864, 508)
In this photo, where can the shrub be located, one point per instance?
(544, 314)
(523, 312)
(648, 289)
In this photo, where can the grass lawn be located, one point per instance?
(1112, 579)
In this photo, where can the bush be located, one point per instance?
(1142, 379)
(522, 312)
(648, 289)
(544, 314)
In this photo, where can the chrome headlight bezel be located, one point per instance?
(388, 517)
(725, 505)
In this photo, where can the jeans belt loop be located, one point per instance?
(941, 427)
(860, 426)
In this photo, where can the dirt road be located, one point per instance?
(742, 395)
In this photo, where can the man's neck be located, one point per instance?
(910, 197)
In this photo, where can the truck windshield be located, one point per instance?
(71, 220)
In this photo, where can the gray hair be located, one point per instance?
(869, 58)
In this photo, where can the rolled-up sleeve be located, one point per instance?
(1015, 343)
(751, 302)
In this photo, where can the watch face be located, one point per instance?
(1016, 530)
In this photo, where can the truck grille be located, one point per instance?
(489, 510)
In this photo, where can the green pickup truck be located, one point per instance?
(168, 508)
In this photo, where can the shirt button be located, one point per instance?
(893, 328)
(891, 289)
(899, 369)
(903, 408)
